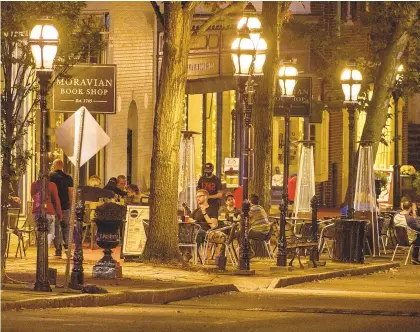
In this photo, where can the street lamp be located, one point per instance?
(287, 82)
(248, 56)
(351, 82)
(396, 94)
(43, 40)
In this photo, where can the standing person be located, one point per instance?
(408, 218)
(53, 206)
(64, 183)
(212, 184)
(291, 188)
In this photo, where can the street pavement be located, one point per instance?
(297, 309)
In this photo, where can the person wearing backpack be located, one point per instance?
(53, 206)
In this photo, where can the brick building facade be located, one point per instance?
(133, 48)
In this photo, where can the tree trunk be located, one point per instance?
(162, 243)
(5, 185)
(385, 79)
(273, 17)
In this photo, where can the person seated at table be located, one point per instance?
(204, 215)
(229, 210)
(259, 226)
(133, 195)
(95, 181)
(408, 218)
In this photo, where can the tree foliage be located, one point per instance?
(19, 83)
(274, 15)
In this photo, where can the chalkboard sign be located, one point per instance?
(134, 231)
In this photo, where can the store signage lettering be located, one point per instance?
(92, 86)
(301, 104)
(200, 66)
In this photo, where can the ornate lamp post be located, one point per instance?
(351, 81)
(44, 43)
(396, 94)
(287, 81)
(248, 56)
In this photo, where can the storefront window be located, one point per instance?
(202, 117)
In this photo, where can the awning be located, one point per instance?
(211, 84)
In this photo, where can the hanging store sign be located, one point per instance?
(301, 104)
(92, 86)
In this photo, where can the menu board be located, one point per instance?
(134, 233)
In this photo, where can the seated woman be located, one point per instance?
(134, 197)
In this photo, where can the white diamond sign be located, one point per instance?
(93, 136)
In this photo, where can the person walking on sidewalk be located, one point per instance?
(64, 183)
(53, 206)
(408, 218)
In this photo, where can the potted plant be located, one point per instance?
(108, 219)
(407, 176)
(381, 181)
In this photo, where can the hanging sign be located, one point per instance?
(92, 86)
(231, 164)
(301, 104)
(134, 232)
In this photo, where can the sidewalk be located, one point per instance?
(151, 283)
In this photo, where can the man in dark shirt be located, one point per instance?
(64, 183)
(205, 215)
(212, 184)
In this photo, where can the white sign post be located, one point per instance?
(80, 137)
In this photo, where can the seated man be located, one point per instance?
(408, 218)
(205, 215)
(258, 225)
(230, 210)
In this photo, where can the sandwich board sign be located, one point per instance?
(134, 231)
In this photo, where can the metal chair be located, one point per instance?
(13, 228)
(213, 239)
(401, 236)
(327, 235)
(266, 241)
(187, 237)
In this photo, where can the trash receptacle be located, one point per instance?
(350, 235)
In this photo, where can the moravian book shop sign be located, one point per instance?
(92, 86)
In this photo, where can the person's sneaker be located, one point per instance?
(415, 262)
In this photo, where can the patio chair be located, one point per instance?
(326, 237)
(266, 241)
(13, 228)
(401, 236)
(187, 237)
(212, 239)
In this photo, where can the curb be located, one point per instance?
(288, 281)
(135, 296)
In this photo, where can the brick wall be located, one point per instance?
(132, 50)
